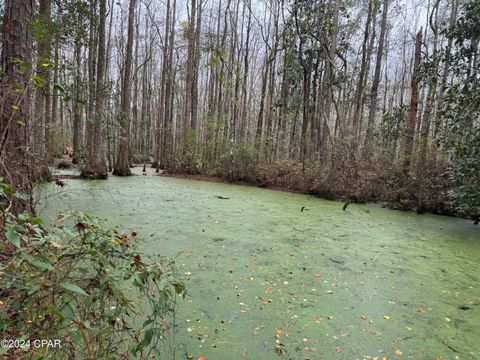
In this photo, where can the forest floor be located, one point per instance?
(266, 278)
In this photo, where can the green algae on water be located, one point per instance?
(267, 280)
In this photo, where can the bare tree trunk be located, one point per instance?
(15, 105)
(167, 149)
(412, 113)
(188, 121)
(432, 90)
(122, 164)
(445, 72)
(161, 120)
(54, 113)
(363, 71)
(376, 79)
(45, 53)
(91, 69)
(96, 167)
(246, 61)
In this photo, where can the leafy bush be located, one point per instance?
(461, 112)
(86, 286)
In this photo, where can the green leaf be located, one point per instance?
(22, 196)
(74, 288)
(59, 88)
(39, 81)
(69, 311)
(147, 339)
(8, 189)
(13, 237)
(36, 220)
(23, 217)
(55, 311)
(77, 336)
(42, 265)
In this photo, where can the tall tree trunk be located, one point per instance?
(77, 107)
(189, 121)
(122, 164)
(412, 112)
(45, 47)
(167, 149)
(432, 90)
(96, 167)
(161, 119)
(14, 100)
(91, 69)
(445, 72)
(376, 79)
(363, 71)
(55, 102)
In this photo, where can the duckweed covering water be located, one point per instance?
(270, 281)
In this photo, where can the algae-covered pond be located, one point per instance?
(364, 283)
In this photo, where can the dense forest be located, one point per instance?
(370, 100)
(111, 109)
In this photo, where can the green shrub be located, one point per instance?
(88, 287)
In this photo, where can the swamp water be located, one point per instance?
(328, 284)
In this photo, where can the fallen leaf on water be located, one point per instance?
(439, 357)
(329, 292)
(408, 328)
(447, 319)
(398, 352)
(363, 317)
(330, 317)
(386, 317)
(338, 349)
(202, 358)
(268, 290)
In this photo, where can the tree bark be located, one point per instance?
(96, 167)
(122, 164)
(412, 112)
(376, 79)
(14, 100)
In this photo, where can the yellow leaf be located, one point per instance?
(398, 352)
(330, 317)
(386, 317)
